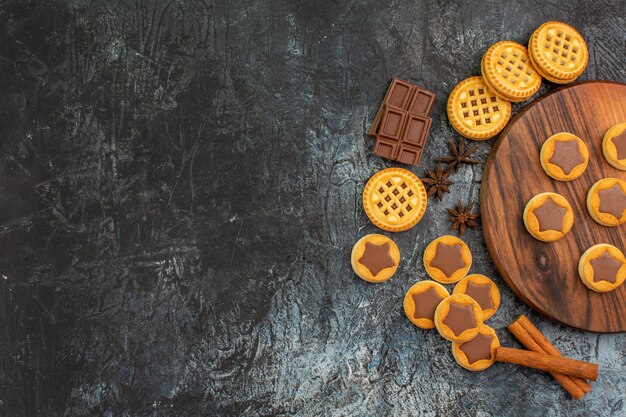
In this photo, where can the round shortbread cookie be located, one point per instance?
(614, 146)
(506, 67)
(602, 268)
(394, 199)
(558, 51)
(546, 76)
(548, 217)
(375, 258)
(483, 290)
(475, 111)
(458, 318)
(606, 202)
(421, 301)
(564, 156)
(447, 259)
(478, 353)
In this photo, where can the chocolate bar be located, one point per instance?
(402, 124)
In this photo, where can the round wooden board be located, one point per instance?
(545, 275)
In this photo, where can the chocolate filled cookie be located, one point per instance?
(481, 289)
(614, 146)
(375, 258)
(548, 217)
(421, 301)
(606, 202)
(602, 268)
(478, 353)
(458, 318)
(564, 156)
(447, 259)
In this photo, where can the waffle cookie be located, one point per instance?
(375, 258)
(394, 199)
(606, 202)
(602, 268)
(506, 68)
(481, 289)
(564, 156)
(558, 52)
(421, 301)
(614, 146)
(548, 217)
(447, 259)
(475, 111)
(478, 353)
(458, 318)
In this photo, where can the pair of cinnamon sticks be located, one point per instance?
(571, 374)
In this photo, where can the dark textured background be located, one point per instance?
(180, 187)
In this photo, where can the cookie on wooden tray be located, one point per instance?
(475, 111)
(564, 156)
(394, 199)
(602, 268)
(558, 52)
(458, 318)
(481, 289)
(548, 217)
(478, 353)
(606, 202)
(421, 301)
(375, 258)
(614, 146)
(506, 68)
(447, 259)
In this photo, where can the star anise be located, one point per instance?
(437, 182)
(459, 156)
(462, 217)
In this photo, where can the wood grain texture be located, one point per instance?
(545, 275)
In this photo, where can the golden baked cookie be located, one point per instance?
(602, 268)
(614, 146)
(564, 156)
(478, 353)
(375, 258)
(481, 289)
(548, 217)
(458, 318)
(507, 69)
(475, 111)
(558, 51)
(544, 75)
(447, 259)
(394, 199)
(421, 301)
(606, 202)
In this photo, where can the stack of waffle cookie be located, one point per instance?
(480, 107)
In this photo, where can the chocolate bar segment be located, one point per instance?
(392, 124)
(386, 148)
(400, 93)
(416, 130)
(408, 154)
(422, 102)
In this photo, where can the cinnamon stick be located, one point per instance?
(547, 362)
(529, 335)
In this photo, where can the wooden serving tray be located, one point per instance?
(545, 275)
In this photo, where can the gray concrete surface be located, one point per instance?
(180, 187)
